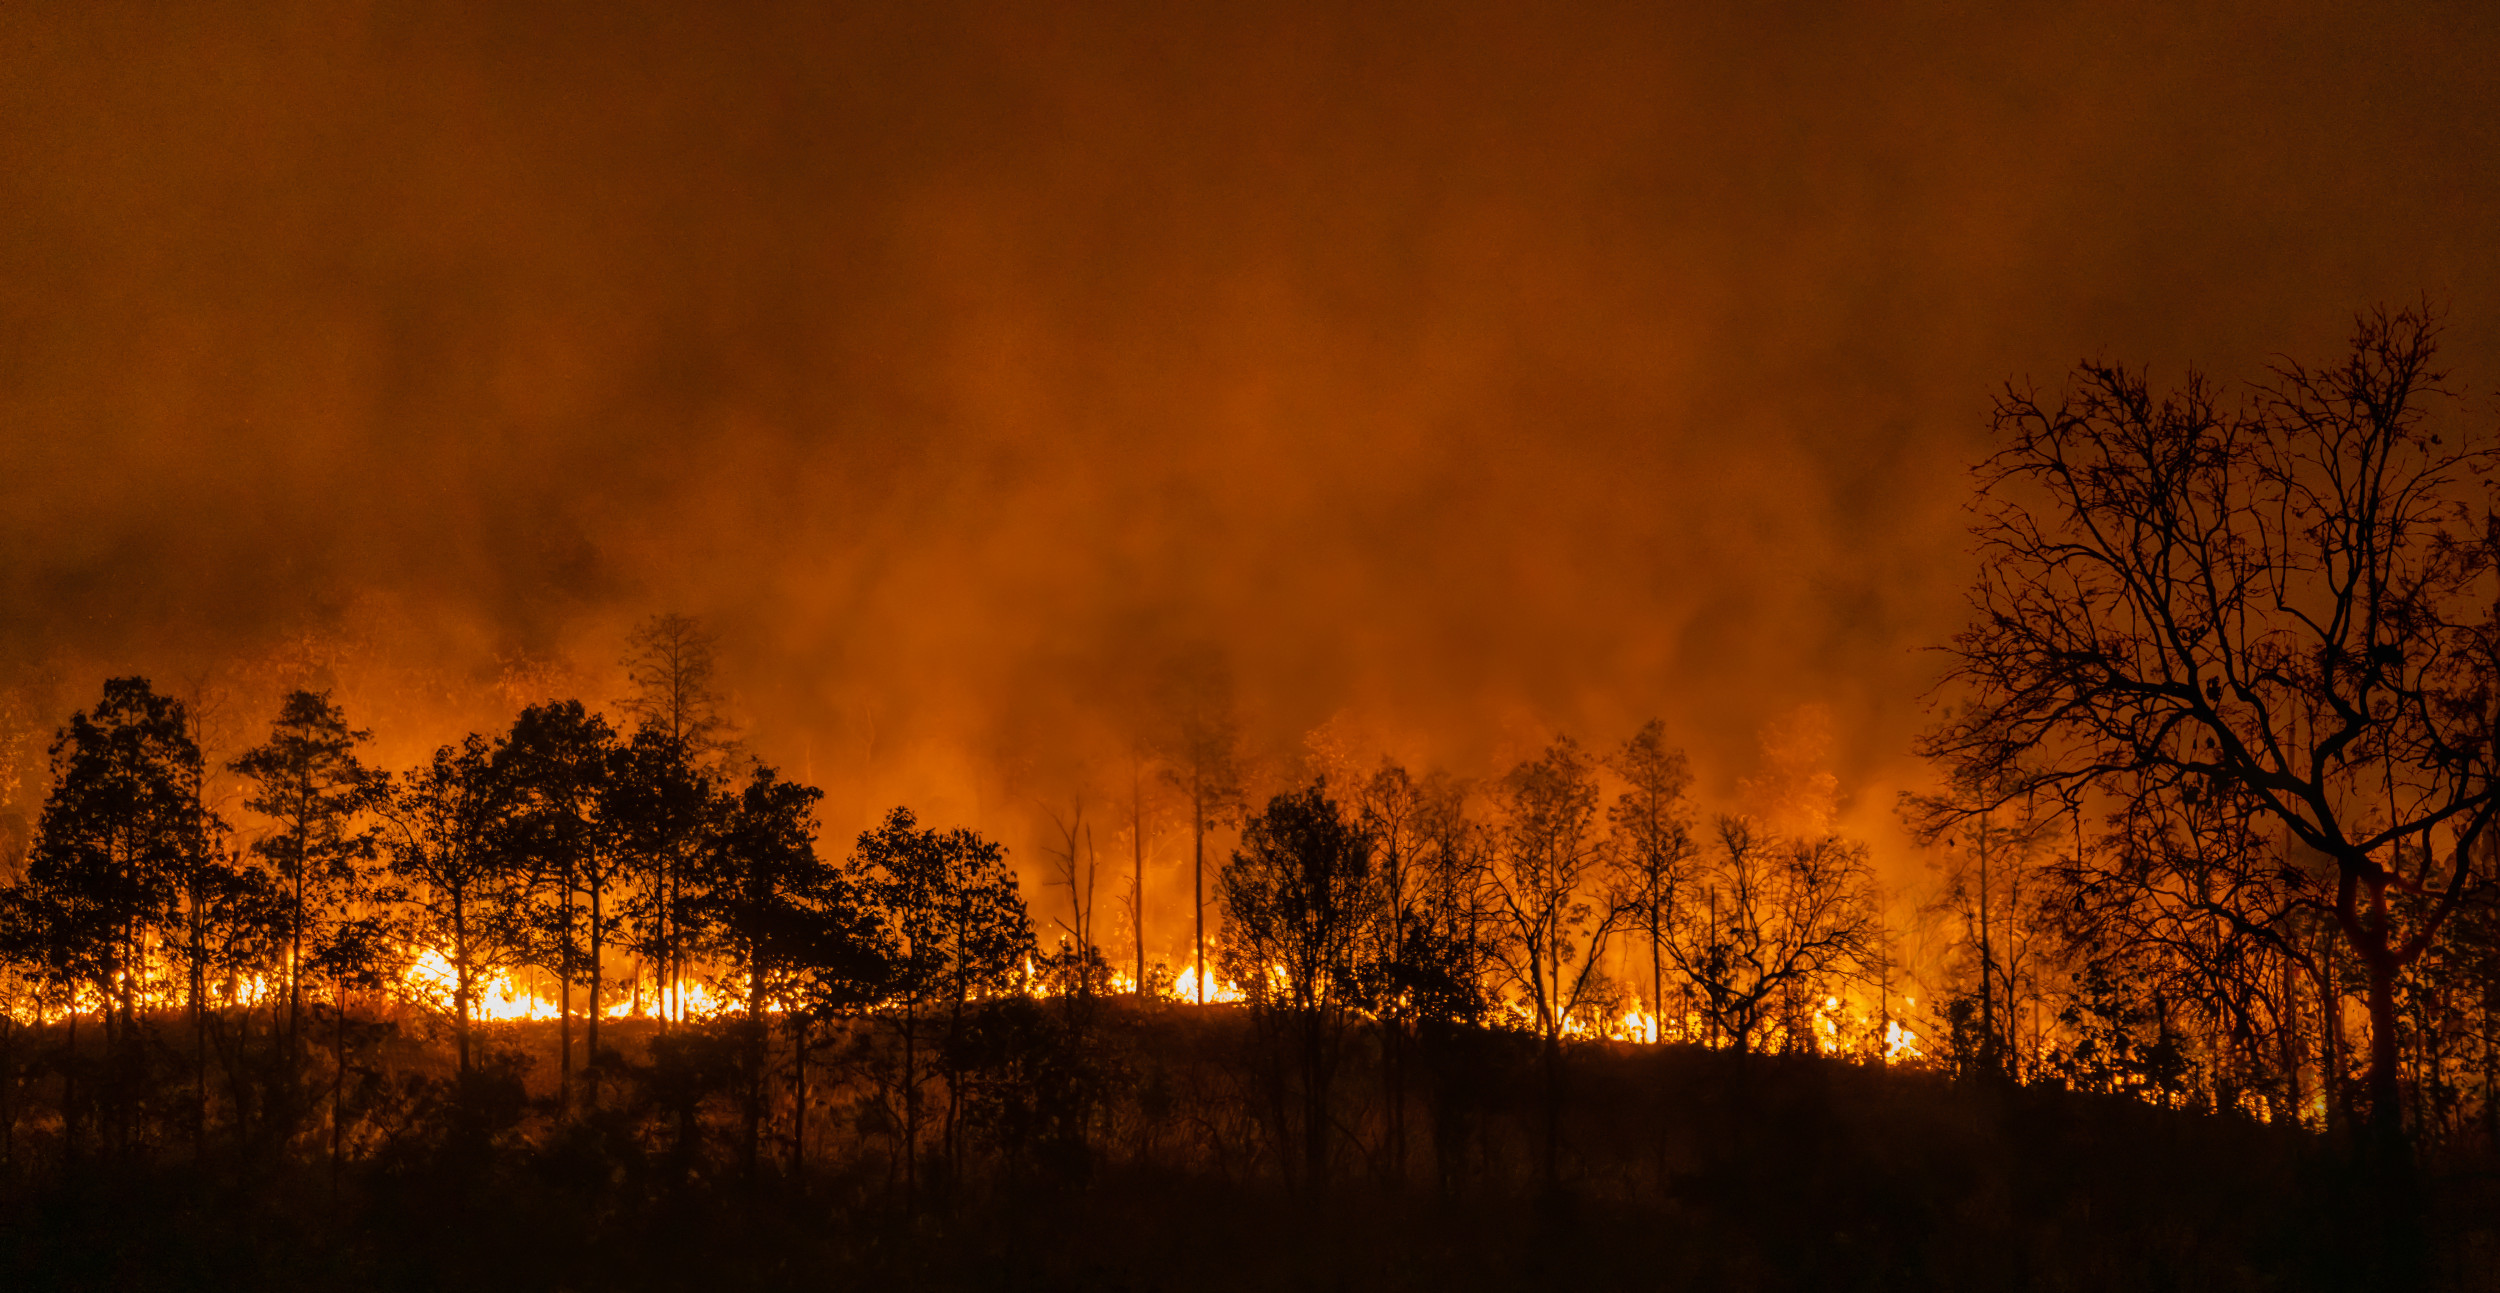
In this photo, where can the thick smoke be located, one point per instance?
(1460, 374)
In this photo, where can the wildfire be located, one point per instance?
(1837, 1027)
(1185, 986)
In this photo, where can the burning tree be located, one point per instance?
(2287, 601)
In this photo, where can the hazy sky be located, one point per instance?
(1477, 370)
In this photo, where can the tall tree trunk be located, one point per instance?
(1198, 876)
(598, 948)
(911, 1110)
(2386, 1090)
(1657, 976)
(672, 955)
(1553, 1108)
(2287, 1027)
(2491, 1042)
(460, 977)
(798, 1094)
(199, 1036)
(564, 1001)
(8, 1091)
(757, 1055)
(954, 1083)
(1314, 1106)
(69, 1085)
(338, 1081)
(2331, 1032)
(1137, 865)
(1987, 964)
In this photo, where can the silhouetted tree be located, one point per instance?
(1394, 977)
(1300, 904)
(661, 803)
(961, 932)
(1653, 844)
(1204, 766)
(1078, 968)
(2284, 601)
(1993, 890)
(789, 928)
(1140, 814)
(449, 820)
(1772, 928)
(670, 662)
(1550, 888)
(120, 840)
(314, 791)
(555, 766)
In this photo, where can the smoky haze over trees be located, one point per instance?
(1332, 465)
(1468, 977)
(1452, 366)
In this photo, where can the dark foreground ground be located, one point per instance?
(1683, 1170)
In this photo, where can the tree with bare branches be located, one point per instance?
(1773, 926)
(1550, 892)
(1653, 841)
(2289, 600)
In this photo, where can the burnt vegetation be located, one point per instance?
(2204, 990)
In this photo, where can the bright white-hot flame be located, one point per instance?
(494, 996)
(1185, 986)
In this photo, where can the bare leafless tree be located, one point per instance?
(1653, 841)
(1550, 898)
(2289, 600)
(1772, 926)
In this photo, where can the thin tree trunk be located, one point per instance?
(2491, 1046)
(199, 1038)
(1314, 1107)
(338, 1081)
(1553, 1109)
(2288, 1027)
(8, 1092)
(1198, 875)
(598, 948)
(460, 977)
(1657, 977)
(1987, 963)
(1137, 865)
(758, 1052)
(2386, 1090)
(69, 1085)
(798, 1098)
(911, 1111)
(564, 1001)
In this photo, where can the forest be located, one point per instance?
(2200, 986)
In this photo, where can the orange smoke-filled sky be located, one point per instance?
(1474, 371)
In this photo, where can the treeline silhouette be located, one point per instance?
(2205, 989)
(1432, 996)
